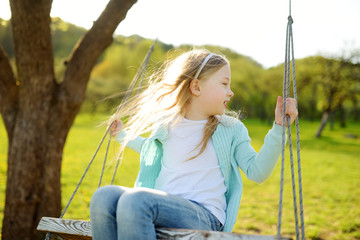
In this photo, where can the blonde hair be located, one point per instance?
(166, 96)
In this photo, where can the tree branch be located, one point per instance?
(88, 50)
(8, 92)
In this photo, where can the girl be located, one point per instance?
(189, 166)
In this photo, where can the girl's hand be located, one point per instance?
(291, 110)
(115, 126)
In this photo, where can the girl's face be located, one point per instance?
(214, 93)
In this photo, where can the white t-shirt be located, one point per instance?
(199, 179)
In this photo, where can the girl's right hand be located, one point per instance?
(291, 110)
(115, 126)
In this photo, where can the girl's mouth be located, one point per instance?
(225, 104)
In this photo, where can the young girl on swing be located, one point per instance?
(189, 165)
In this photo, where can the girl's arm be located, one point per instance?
(116, 132)
(259, 166)
(135, 144)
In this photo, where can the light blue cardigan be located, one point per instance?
(232, 145)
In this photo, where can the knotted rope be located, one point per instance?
(286, 89)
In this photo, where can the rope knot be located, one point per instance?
(290, 19)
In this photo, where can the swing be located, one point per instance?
(59, 228)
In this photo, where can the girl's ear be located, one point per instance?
(195, 87)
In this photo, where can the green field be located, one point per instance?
(330, 172)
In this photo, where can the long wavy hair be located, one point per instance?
(168, 92)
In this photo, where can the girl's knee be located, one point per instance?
(100, 194)
(135, 201)
(105, 197)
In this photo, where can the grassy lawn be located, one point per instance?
(330, 173)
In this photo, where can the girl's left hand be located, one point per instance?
(291, 110)
(115, 126)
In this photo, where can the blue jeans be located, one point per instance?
(134, 213)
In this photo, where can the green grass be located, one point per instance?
(330, 174)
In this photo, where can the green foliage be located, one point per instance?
(65, 36)
(113, 74)
(331, 85)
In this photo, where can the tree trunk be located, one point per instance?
(324, 120)
(332, 120)
(342, 115)
(31, 157)
(38, 111)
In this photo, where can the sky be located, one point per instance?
(255, 28)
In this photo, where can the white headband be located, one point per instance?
(203, 64)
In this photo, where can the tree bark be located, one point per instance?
(38, 111)
(8, 93)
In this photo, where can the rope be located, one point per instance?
(283, 138)
(139, 75)
(286, 89)
(104, 163)
(290, 21)
(298, 142)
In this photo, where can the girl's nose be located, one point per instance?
(230, 93)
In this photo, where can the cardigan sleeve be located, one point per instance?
(135, 144)
(258, 166)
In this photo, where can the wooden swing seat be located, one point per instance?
(81, 230)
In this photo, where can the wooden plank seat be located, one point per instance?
(81, 230)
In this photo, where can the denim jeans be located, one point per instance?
(134, 213)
